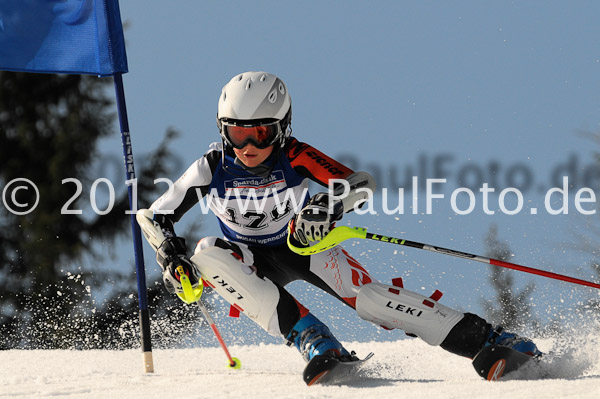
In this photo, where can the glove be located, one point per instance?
(170, 255)
(315, 220)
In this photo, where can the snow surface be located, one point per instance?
(407, 368)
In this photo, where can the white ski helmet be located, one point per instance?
(255, 99)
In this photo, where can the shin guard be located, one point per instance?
(394, 307)
(256, 297)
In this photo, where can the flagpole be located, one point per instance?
(144, 317)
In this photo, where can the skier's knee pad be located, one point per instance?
(235, 281)
(395, 307)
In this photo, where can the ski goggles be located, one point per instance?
(261, 136)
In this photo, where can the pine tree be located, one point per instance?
(509, 307)
(50, 126)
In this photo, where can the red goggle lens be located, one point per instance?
(261, 136)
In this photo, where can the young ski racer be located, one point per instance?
(256, 182)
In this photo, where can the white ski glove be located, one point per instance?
(315, 220)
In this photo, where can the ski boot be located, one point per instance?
(498, 336)
(313, 338)
(327, 360)
(504, 353)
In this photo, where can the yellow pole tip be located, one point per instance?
(236, 365)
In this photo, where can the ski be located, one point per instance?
(323, 369)
(495, 361)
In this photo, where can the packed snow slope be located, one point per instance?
(406, 368)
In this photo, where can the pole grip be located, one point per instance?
(332, 239)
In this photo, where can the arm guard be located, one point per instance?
(155, 229)
(354, 190)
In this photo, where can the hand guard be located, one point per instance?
(170, 255)
(315, 221)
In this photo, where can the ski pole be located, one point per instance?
(342, 233)
(234, 362)
(192, 295)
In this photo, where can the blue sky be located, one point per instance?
(389, 85)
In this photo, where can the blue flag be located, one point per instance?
(62, 36)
